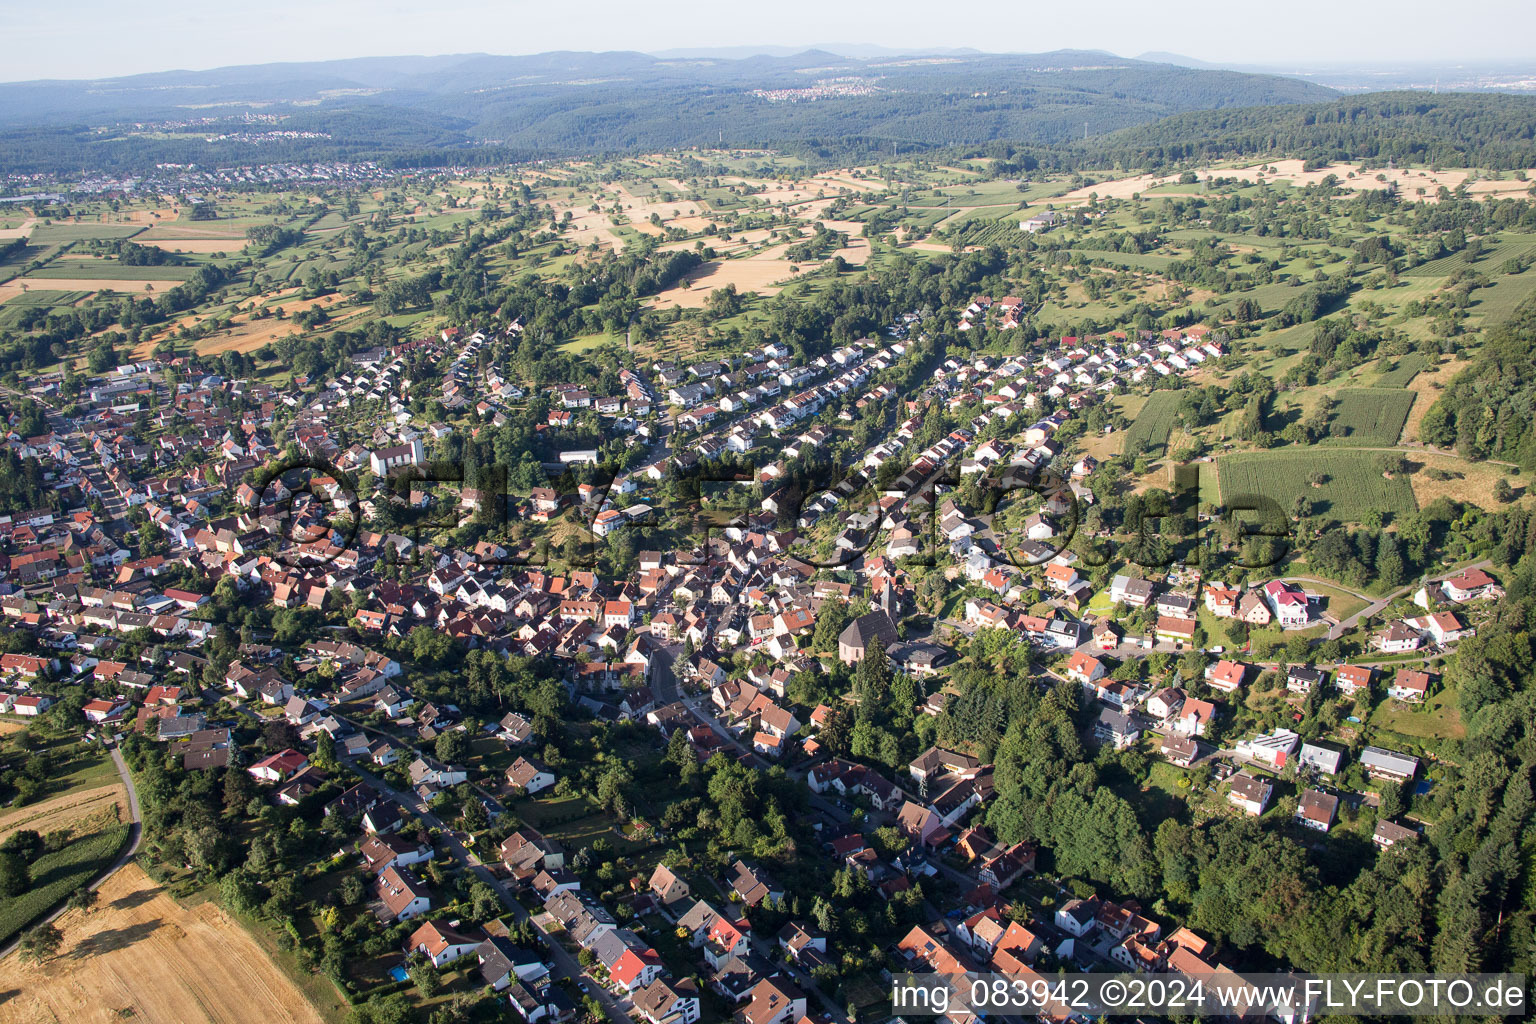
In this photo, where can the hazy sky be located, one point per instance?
(103, 38)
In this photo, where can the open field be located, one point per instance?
(1469, 481)
(1369, 417)
(1153, 423)
(1291, 172)
(140, 956)
(1355, 485)
(46, 815)
(1427, 384)
(759, 273)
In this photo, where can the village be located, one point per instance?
(708, 638)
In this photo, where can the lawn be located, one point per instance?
(56, 875)
(1153, 423)
(1369, 417)
(1354, 486)
(1436, 719)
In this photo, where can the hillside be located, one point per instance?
(567, 103)
(1456, 129)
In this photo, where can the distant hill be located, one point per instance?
(1490, 130)
(475, 105)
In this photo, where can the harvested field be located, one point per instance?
(1408, 180)
(759, 273)
(1427, 384)
(45, 816)
(141, 956)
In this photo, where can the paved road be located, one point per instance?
(1377, 605)
(135, 833)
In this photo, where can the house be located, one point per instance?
(1273, 749)
(1253, 609)
(1116, 727)
(797, 938)
(103, 709)
(1443, 627)
(502, 962)
(774, 1000)
(1077, 917)
(1351, 679)
(1176, 630)
(401, 895)
(1194, 717)
(1180, 750)
(529, 775)
(1130, 590)
(752, 885)
(1304, 678)
(1084, 668)
(635, 968)
(1471, 585)
(514, 729)
(386, 850)
(1225, 676)
(917, 822)
(280, 766)
(1397, 639)
(1316, 809)
(667, 886)
(1322, 759)
(1291, 606)
(1409, 684)
(668, 1001)
(1250, 793)
(1389, 833)
(1388, 764)
(440, 943)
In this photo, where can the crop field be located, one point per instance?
(47, 234)
(85, 270)
(92, 847)
(1489, 262)
(1134, 260)
(1369, 417)
(1354, 485)
(139, 955)
(1153, 423)
(1402, 373)
(1504, 293)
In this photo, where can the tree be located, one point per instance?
(484, 901)
(39, 944)
(83, 899)
(424, 976)
(1389, 562)
(452, 747)
(14, 875)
